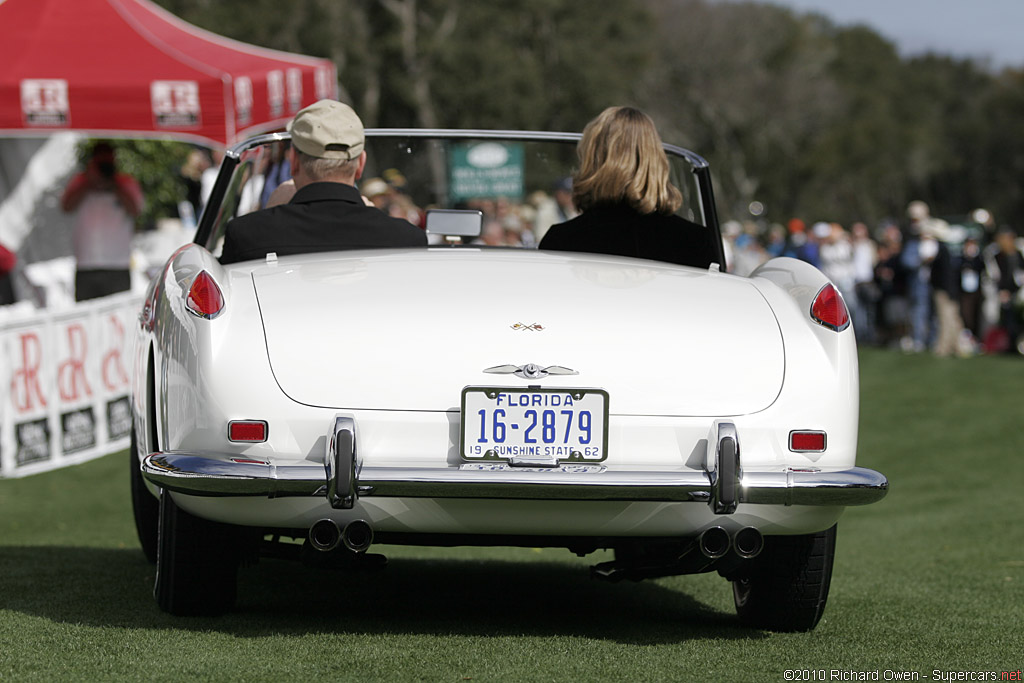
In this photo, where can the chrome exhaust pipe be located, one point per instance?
(324, 535)
(357, 536)
(748, 542)
(713, 542)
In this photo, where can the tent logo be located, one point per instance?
(275, 93)
(243, 99)
(44, 102)
(324, 83)
(294, 89)
(175, 103)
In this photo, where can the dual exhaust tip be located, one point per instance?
(716, 542)
(325, 535)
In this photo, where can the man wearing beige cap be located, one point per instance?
(327, 213)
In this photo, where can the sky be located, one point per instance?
(980, 29)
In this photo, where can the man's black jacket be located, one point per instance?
(323, 216)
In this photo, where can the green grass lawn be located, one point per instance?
(931, 578)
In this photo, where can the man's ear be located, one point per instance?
(293, 161)
(361, 166)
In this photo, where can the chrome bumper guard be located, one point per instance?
(343, 480)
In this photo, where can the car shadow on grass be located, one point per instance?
(113, 587)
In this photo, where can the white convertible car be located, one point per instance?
(467, 394)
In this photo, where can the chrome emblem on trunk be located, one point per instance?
(535, 327)
(530, 370)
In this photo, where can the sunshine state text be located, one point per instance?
(890, 675)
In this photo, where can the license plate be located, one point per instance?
(534, 424)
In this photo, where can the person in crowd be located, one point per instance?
(625, 196)
(327, 212)
(892, 321)
(401, 205)
(744, 251)
(971, 270)
(775, 244)
(492, 234)
(191, 175)
(209, 177)
(865, 258)
(802, 244)
(916, 260)
(379, 192)
(7, 262)
(282, 194)
(106, 203)
(562, 194)
(1007, 271)
(945, 288)
(836, 254)
(554, 208)
(278, 171)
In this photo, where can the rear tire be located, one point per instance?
(197, 562)
(145, 505)
(787, 587)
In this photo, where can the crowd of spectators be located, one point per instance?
(952, 287)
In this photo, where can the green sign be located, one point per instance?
(486, 169)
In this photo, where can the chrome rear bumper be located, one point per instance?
(208, 474)
(343, 478)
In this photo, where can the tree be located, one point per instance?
(746, 85)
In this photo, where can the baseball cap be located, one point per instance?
(328, 129)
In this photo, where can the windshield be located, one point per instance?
(520, 182)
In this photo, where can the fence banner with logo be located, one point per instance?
(68, 382)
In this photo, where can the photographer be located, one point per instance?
(106, 204)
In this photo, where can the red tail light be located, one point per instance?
(830, 310)
(248, 431)
(807, 442)
(204, 297)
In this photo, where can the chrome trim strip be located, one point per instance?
(855, 486)
(210, 474)
(213, 474)
(695, 160)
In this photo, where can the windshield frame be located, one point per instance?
(698, 165)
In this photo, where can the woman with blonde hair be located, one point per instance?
(626, 198)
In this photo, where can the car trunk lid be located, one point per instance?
(407, 330)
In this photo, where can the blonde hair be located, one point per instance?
(622, 161)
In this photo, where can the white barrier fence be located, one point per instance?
(68, 375)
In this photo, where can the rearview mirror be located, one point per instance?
(465, 223)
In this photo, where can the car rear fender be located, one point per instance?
(822, 386)
(183, 342)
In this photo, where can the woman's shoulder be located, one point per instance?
(613, 219)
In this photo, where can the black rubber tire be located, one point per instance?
(145, 505)
(197, 563)
(787, 586)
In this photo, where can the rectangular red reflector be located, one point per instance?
(806, 442)
(251, 431)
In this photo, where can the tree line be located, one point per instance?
(810, 119)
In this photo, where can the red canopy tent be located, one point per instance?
(119, 68)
